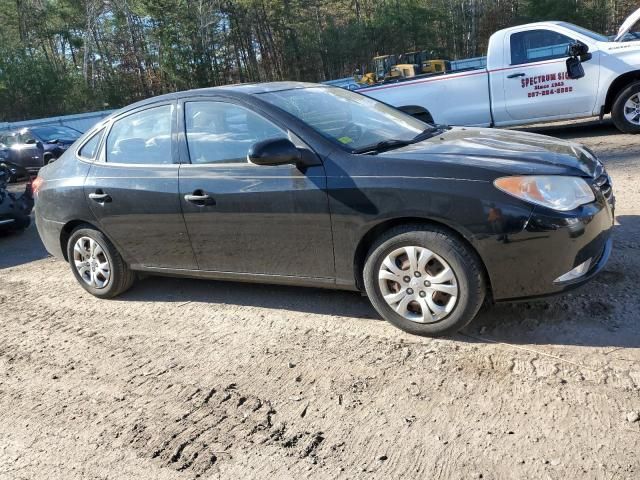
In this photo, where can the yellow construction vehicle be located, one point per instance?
(424, 63)
(386, 67)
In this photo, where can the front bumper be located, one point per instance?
(527, 264)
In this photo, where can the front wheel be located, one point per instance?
(424, 280)
(626, 109)
(97, 265)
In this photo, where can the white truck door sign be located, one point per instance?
(536, 82)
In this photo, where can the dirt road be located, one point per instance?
(180, 379)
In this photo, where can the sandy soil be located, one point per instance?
(180, 379)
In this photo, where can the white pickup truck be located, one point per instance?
(526, 80)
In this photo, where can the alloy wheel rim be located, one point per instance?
(418, 284)
(91, 262)
(632, 109)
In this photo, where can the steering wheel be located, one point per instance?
(351, 131)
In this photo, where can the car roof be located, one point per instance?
(239, 89)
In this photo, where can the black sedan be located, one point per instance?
(34, 147)
(313, 185)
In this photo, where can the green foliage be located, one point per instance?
(69, 56)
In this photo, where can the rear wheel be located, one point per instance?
(424, 280)
(97, 265)
(626, 109)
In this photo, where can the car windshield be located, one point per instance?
(52, 132)
(586, 32)
(351, 120)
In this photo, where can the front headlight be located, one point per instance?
(551, 191)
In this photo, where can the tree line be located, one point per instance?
(71, 56)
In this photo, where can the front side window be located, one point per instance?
(142, 138)
(27, 138)
(348, 119)
(219, 132)
(538, 45)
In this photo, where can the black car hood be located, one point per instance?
(503, 151)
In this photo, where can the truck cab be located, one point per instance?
(526, 80)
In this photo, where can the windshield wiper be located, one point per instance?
(428, 132)
(395, 143)
(383, 146)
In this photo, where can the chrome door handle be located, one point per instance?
(200, 198)
(100, 197)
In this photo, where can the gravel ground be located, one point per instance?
(182, 379)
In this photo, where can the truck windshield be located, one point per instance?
(348, 119)
(586, 32)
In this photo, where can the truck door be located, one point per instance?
(536, 85)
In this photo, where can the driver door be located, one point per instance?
(271, 220)
(536, 85)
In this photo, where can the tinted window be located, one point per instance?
(142, 138)
(90, 148)
(220, 132)
(537, 45)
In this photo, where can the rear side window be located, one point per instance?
(219, 132)
(538, 45)
(10, 140)
(142, 138)
(90, 148)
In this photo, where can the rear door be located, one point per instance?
(133, 189)
(535, 83)
(271, 220)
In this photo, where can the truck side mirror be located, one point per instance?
(575, 70)
(577, 49)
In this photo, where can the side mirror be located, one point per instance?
(30, 141)
(274, 151)
(575, 70)
(577, 49)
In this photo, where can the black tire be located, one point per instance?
(47, 160)
(617, 111)
(463, 261)
(121, 277)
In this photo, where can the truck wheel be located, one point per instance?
(97, 265)
(424, 280)
(626, 109)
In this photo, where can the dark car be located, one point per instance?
(313, 185)
(22, 148)
(16, 199)
(35, 147)
(56, 139)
